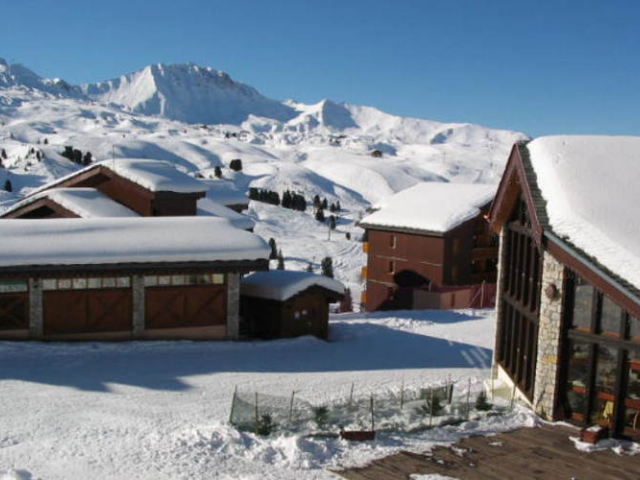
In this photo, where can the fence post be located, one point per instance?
(402, 394)
(233, 404)
(373, 427)
(293, 393)
(469, 399)
(256, 414)
(431, 408)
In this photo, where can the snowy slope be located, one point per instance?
(321, 149)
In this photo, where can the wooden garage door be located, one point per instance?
(14, 311)
(187, 306)
(84, 311)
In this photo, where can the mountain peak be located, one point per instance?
(189, 93)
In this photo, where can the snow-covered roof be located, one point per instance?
(225, 193)
(154, 175)
(431, 206)
(590, 184)
(99, 241)
(283, 284)
(207, 207)
(84, 202)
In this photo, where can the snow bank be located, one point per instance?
(284, 284)
(431, 206)
(124, 240)
(85, 202)
(590, 184)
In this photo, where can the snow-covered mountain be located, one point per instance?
(200, 119)
(188, 93)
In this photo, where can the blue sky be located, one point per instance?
(537, 66)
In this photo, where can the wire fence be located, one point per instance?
(406, 410)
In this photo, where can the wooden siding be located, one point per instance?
(87, 311)
(187, 306)
(14, 311)
(43, 208)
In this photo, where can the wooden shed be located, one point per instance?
(281, 303)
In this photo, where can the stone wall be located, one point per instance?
(549, 336)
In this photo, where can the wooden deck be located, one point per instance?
(529, 453)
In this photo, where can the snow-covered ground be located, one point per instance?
(159, 410)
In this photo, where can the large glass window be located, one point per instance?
(13, 286)
(83, 283)
(178, 280)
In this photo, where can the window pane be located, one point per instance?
(150, 281)
(12, 286)
(64, 284)
(79, 283)
(633, 328)
(179, 280)
(603, 393)
(164, 280)
(218, 278)
(123, 282)
(632, 401)
(108, 282)
(577, 378)
(95, 282)
(611, 316)
(582, 304)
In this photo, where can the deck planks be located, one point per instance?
(544, 453)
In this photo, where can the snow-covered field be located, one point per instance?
(159, 410)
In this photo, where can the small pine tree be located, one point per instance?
(338, 206)
(324, 204)
(46, 141)
(274, 249)
(320, 215)
(347, 235)
(332, 207)
(236, 165)
(346, 305)
(481, 402)
(265, 425)
(7, 186)
(310, 268)
(332, 222)
(280, 261)
(217, 172)
(4, 154)
(87, 159)
(39, 155)
(316, 201)
(327, 267)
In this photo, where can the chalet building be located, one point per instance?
(430, 247)
(568, 334)
(131, 187)
(282, 303)
(124, 278)
(81, 261)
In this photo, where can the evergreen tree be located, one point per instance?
(274, 249)
(7, 186)
(327, 267)
(338, 206)
(324, 204)
(39, 155)
(332, 222)
(286, 199)
(316, 201)
(236, 165)
(320, 215)
(86, 160)
(310, 268)
(280, 260)
(4, 154)
(46, 141)
(332, 207)
(217, 172)
(346, 305)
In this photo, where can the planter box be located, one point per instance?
(358, 435)
(594, 433)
